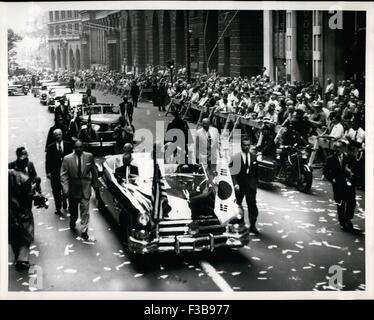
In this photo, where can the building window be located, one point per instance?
(50, 16)
(57, 30)
(70, 28)
(51, 30)
(76, 28)
(63, 15)
(63, 30)
(57, 15)
(70, 14)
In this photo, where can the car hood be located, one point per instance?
(140, 192)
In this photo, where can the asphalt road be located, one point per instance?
(300, 236)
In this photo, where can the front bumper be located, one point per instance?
(189, 243)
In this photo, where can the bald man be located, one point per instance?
(78, 175)
(56, 151)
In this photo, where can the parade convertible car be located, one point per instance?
(191, 225)
(104, 118)
(17, 88)
(54, 94)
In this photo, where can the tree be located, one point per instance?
(13, 38)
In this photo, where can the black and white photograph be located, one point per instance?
(185, 148)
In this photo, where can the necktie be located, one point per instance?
(59, 149)
(355, 138)
(246, 163)
(209, 144)
(79, 166)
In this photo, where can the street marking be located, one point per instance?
(217, 279)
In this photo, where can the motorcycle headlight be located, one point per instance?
(143, 219)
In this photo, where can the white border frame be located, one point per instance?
(184, 5)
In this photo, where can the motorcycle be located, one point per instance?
(289, 167)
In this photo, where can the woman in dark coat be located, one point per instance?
(23, 182)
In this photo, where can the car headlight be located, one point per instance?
(143, 219)
(233, 228)
(193, 228)
(141, 234)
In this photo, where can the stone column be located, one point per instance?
(268, 43)
(317, 46)
(292, 69)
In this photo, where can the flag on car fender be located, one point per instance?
(160, 203)
(225, 207)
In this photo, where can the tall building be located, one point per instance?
(293, 45)
(64, 39)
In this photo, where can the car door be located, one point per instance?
(108, 192)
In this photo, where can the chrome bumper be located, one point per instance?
(188, 243)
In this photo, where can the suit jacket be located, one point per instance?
(127, 107)
(333, 170)
(50, 136)
(73, 185)
(202, 145)
(247, 181)
(120, 172)
(53, 159)
(89, 100)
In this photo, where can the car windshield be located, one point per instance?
(100, 109)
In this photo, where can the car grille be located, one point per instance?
(181, 227)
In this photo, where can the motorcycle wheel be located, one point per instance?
(304, 183)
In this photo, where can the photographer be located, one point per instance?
(24, 187)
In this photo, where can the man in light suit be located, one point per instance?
(245, 181)
(207, 145)
(56, 151)
(78, 174)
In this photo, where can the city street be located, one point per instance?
(299, 240)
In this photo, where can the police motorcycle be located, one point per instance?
(287, 164)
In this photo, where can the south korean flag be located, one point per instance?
(225, 207)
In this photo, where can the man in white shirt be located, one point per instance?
(329, 88)
(207, 145)
(337, 130)
(354, 91)
(355, 134)
(341, 88)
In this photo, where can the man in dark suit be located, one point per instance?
(127, 108)
(62, 111)
(78, 175)
(129, 169)
(56, 151)
(244, 175)
(59, 124)
(338, 170)
(134, 93)
(89, 99)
